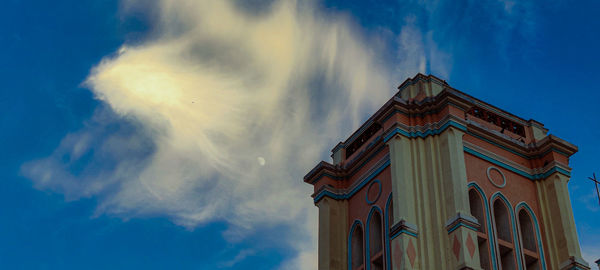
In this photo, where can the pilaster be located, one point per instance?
(429, 183)
(404, 246)
(403, 180)
(404, 241)
(454, 172)
(333, 232)
(460, 224)
(463, 238)
(560, 232)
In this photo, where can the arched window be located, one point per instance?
(357, 249)
(528, 240)
(506, 247)
(477, 210)
(376, 242)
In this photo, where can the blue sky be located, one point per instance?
(175, 135)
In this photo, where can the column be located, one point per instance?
(333, 234)
(560, 232)
(404, 233)
(460, 225)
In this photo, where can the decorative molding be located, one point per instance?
(516, 168)
(426, 130)
(364, 162)
(461, 220)
(403, 227)
(574, 263)
(376, 181)
(448, 97)
(421, 77)
(324, 169)
(490, 177)
(360, 183)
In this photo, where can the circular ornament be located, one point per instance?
(494, 182)
(373, 192)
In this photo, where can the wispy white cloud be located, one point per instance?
(238, 258)
(591, 254)
(219, 115)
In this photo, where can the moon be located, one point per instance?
(261, 161)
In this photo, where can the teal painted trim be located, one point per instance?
(489, 227)
(421, 115)
(354, 225)
(515, 170)
(498, 145)
(387, 233)
(553, 170)
(497, 162)
(515, 152)
(405, 232)
(459, 225)
(483, 139)
(501, 196)
(374, 209)
(537, 230)
(368, 159)
(354, 170)
(330, 194)
(429, 132)
(369, 202)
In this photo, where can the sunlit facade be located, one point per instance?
(437, 179)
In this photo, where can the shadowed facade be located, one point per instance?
(437, 179)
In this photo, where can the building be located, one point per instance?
(437, 179)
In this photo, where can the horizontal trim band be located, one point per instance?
(459, 225)
(515, 170)
(404, 232)
(353, 191)
(420, 134)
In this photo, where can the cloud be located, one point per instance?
(186, 115)
(591, 254)
(239, 257)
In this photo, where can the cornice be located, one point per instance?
(413, 108)
(433, 105)
(364, 179)
(529, 151)
(421, 77)
(324, 168)
(348, 169)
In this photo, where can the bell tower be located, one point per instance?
(437, 179)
